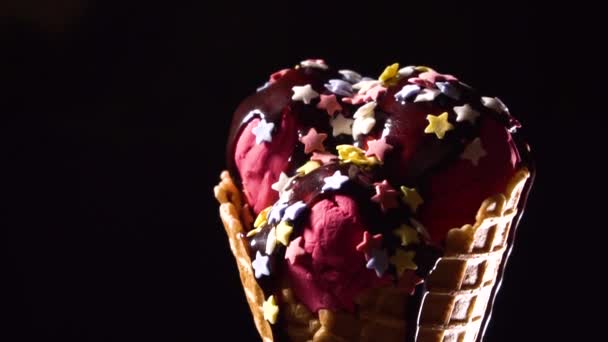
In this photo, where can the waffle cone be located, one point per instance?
(453, 307)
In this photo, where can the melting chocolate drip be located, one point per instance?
(409, 164)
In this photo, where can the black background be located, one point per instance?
(114, 122)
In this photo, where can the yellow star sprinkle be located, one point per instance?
(389, 73)
(308, 167)
(284, 230)
(355, 155)
(262, 218)
(438, 125)
(411, 197)
(404, 261)
(253, 232)
(407, 234)
(271, 310)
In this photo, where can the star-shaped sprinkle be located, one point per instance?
(329, 103)
(366, 110)
(260, 265)
(369, 243)
(313, 141)
(293, 211)
(339, 87)
(294, 251)
(403, 261)
(474, 151)
(407, 234)
(271, 241)
(495, 104)
(350, 76)
(286, 194)
(378, 148)
(323, 158)
(466, 113)
(411, 197)
(355, 155)
(276, 213)
(433, 76)
(341, 125)
(438, 125)
(362, 126)
(281, 183)
(304, 93)
(253, 232)
(314, 63)
(262, 218)
(284, 230)
(364, 85)
(378, 262)
(271, 310)
(263, 131)
(308, 167)
(374, 93)
(385, 195)
(421, 82)
(406, 71)
(448, 90)
(357, 99)
(389, 73)
(408, 282)
(427, 95)
(334, 182)
(407, 92)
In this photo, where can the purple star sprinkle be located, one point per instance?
(276, 213)
(378, 262)
(294, 210)
(260, 265)
(407, 92)
(449, 90)
(339, 87)
(350, 76)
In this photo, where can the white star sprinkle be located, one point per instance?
(474, 151)
(341, 125)
(304, 93)
(271, 241)
(286, 195)
(350, 76)
(334, 182)
(406, 71)
(466, 112)
(263, 131)
(365, 110)
(427, 95)
(495, 104)
(314, 63)
(280, 184)
(364, 86)
(260, 265)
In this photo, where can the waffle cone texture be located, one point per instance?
(453, 307)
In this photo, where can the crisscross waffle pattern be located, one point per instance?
(459, 288)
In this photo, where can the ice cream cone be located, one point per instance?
(458, 289)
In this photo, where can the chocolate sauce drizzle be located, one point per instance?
(394, 119)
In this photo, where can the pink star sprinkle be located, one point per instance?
(329, 103)
(355, 100)
(421, 82)
(433, 76)
(374, 92)
(385, 195)
(323, 158)
(294, 251)
(378, 148)
(369, 243)
(313, 141)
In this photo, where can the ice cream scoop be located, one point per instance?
(361, 185)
